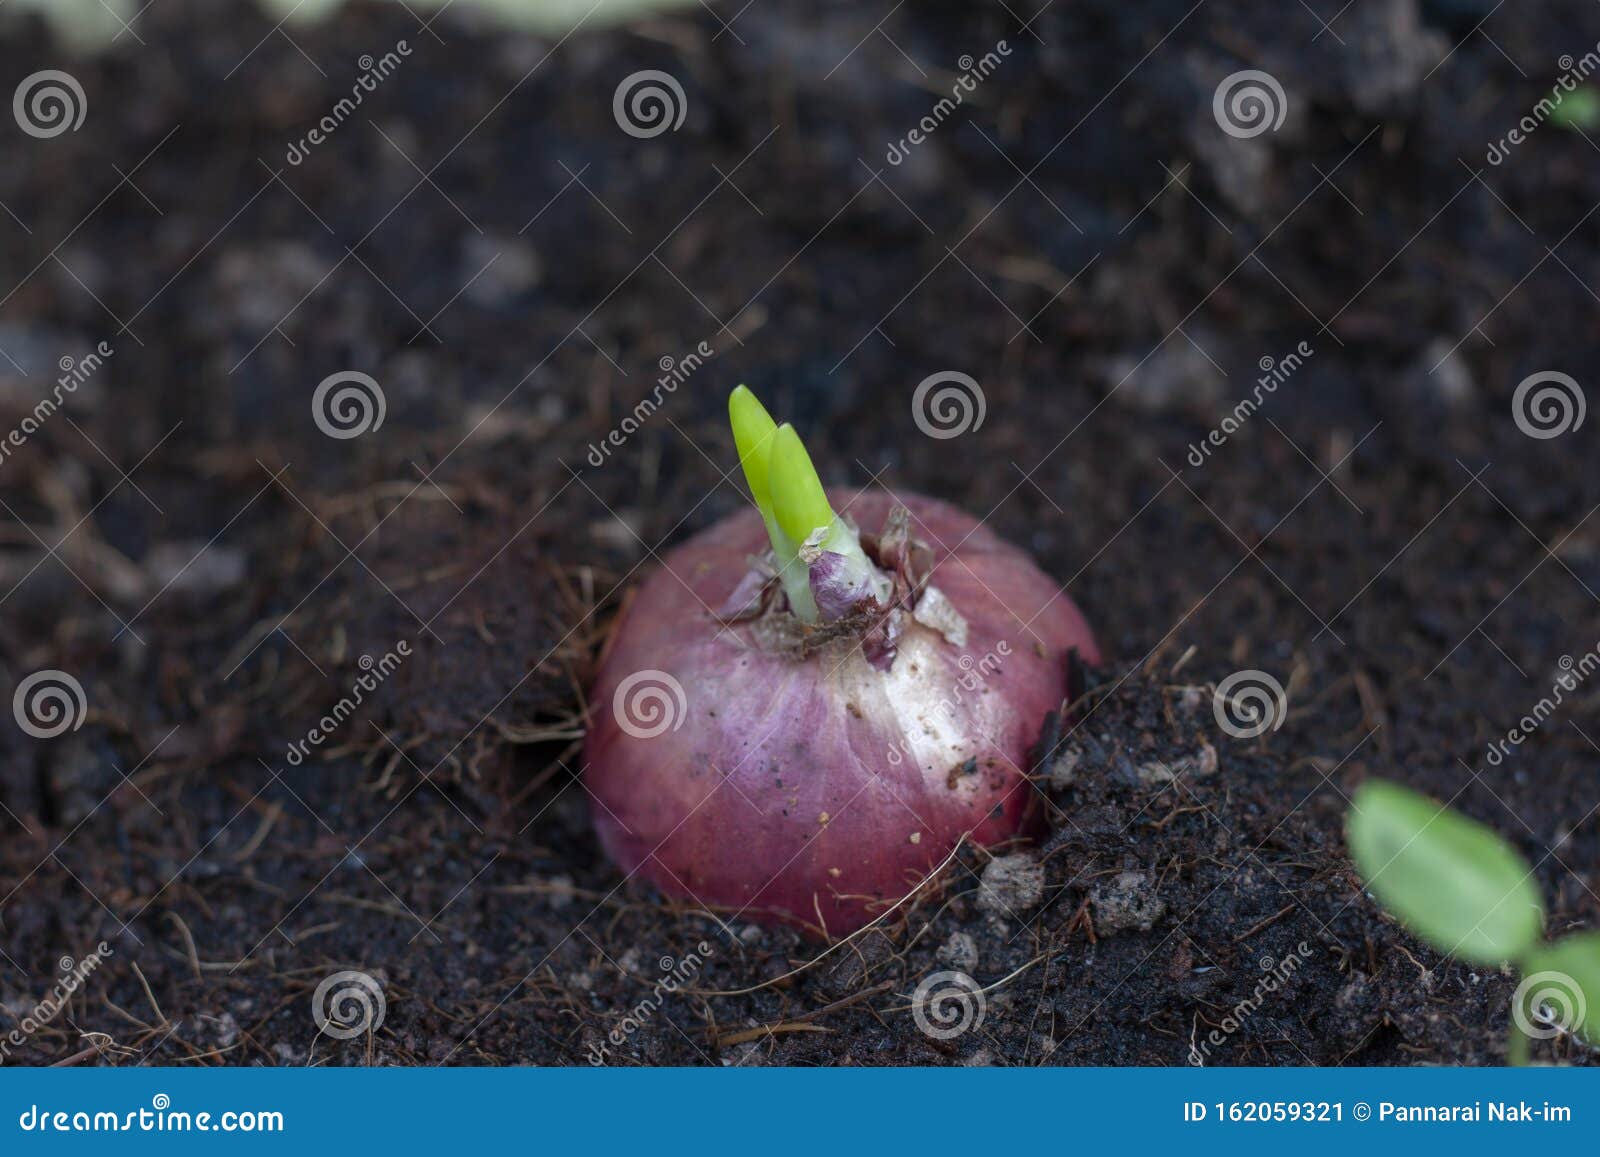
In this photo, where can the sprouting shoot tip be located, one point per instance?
(753, 428)
(798, 500)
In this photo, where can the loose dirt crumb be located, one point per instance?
(1128, 901)
(959, 951)
(1064, 768)
(1011, 884)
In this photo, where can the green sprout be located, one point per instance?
(798, 500)
(801, 524)
(1460, 887)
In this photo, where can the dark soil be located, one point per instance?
(1381, 537)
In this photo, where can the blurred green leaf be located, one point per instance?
(87, 25)
(84, 25)
(546, 16)
(1452, 881)
(1566, 974)
(1579, 110)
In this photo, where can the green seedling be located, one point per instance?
(800, 522)
(1457, 885)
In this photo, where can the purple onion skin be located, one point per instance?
(726, 809)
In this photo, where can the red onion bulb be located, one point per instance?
(815, 773)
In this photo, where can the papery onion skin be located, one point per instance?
(820, 791)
